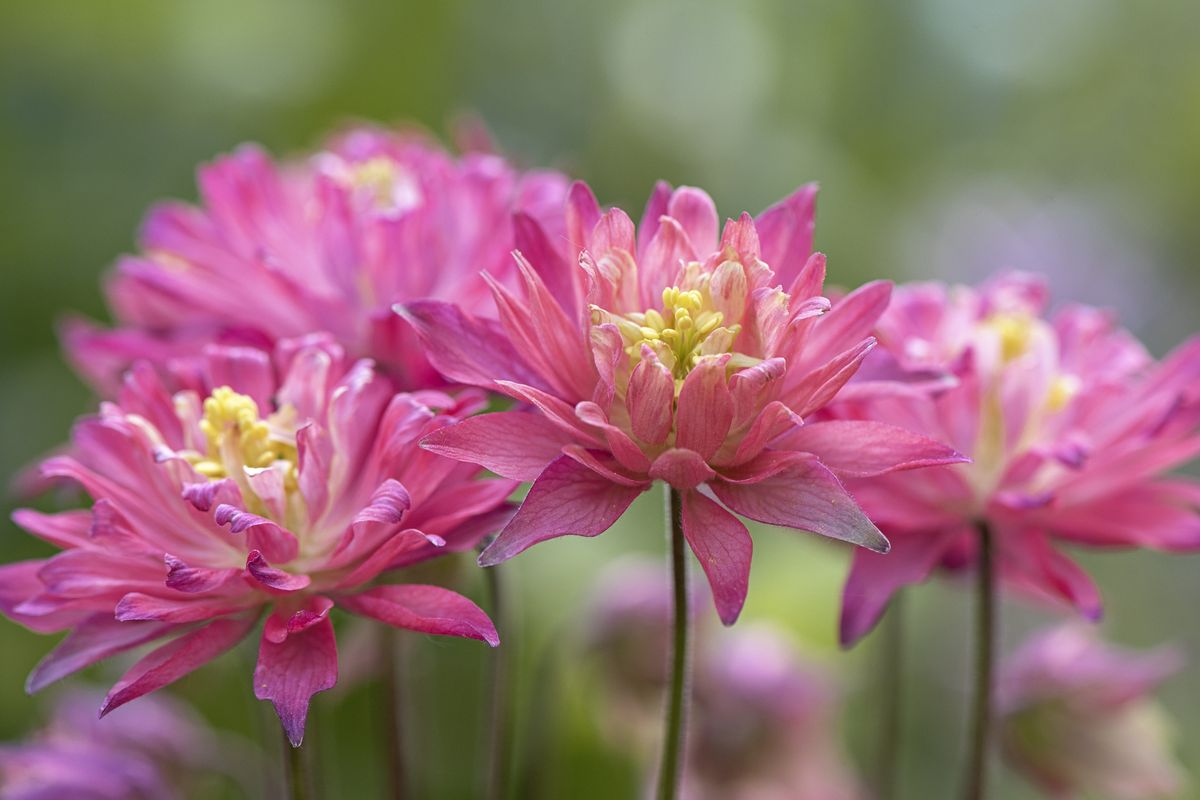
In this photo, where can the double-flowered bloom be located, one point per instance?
(673, 352)
(327, 243)
(285, 483)
(1071, 427)
(1077, 717)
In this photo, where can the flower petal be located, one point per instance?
(95, 639)
(290, 672)
(705, 408)
(860, 449)
(723, 547)
(786, 232)
(567, 499)
(177, 658)
(425, 609)
(806, 496)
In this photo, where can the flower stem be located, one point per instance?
(891, 687)
(985, 643)
(500, 726)
(392, 719)
(676, 720)
(295, 771)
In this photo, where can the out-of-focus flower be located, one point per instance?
(1076, 717)
(763, 722)
(1071, 426)
(324, 244)
(289, 496)
(675, 355)
(148, 752)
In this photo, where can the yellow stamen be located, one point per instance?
(1015, 332)
(237, 437)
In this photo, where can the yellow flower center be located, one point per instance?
(686, 329)
(387, 185)
(237, 438)
(1015, 332)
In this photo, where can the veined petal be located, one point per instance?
(290, 672)
(696, 213)
(786, 232)
(425, 609)
(805, 496)
(567, 499)
(705, 408)
(723, 547)
(859, 449)
(682, 469)
(515, 444)
(95, 639)
(650, 399)
(273, 578)
(465, 349)
(177, 658)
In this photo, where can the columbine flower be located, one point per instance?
(672, 355)
(764, 721)
(1076, 717)
(324, 244)
(1070, 425)
(289, 497)
(147, 752)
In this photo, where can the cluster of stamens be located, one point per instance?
(236, 436)
(686, 329)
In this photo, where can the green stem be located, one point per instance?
(676, 720)
(891, 685)
(985, 643)
(392, 718)
(295, 774)
(500, 727)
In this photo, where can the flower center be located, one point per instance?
(1015, 332)
(239, 439)
(686, 329)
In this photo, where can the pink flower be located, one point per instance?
(764, 720)
(1076, 717)
(148, 752)
(328, 243)
(679, 356)
(290, 496)
(1070, 425)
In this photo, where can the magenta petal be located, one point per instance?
(95, 639)
(137, 606)
(515, 444)
(534, 244)
(177, 658)
(682, 469)
(862, 449)
(649, 399)
(723, 547)
(290, 672)
(262, 534)
(425, 609)
(272, 577)
(850, 320)
(874, 578)
(705, 408)
(464, 349)
(383, 555)
(697, 215)
(183, 578)
(567, 499)
(806, 496)
(786, 232)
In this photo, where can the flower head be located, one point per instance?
(671, 353)
(288, 496)
(144, 753)
(1070, 425)
(1076, 717)
(327, 243)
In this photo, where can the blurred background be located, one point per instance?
(951, 138)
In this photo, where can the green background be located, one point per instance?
(951, 138)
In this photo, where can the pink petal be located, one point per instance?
(381, 556)
(705, 409)
(786, 231)
(805, 496)
(649, 399)
(659, 267)
(742, 236)
(290, 672)
(65, 529)
(465, 349)
(246, 370)
(696, 213)
(137, 606)
(849, 321)
(177, 658)
(273, 578)
(603, 464)
(19, 584)
(263, 534)
(723, 546)
(613, 231)
(656, 207)
(682, 469)
(425, 609)
(622, 446)
(192, 580)
(562, 279)
(861, 449)
(555, 410)
(1028, 561)
(567, 499)
(874, 578)
(582, 215)
(95, 639)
